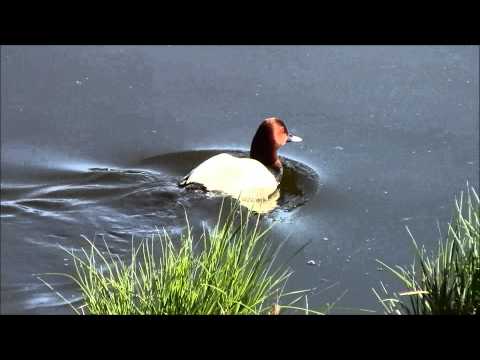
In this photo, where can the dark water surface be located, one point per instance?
(94, 140)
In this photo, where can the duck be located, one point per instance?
(251, 180)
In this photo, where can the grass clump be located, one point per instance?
(229, 271)
(448, 282)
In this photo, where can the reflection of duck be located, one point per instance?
(261, 206)
(250, 180)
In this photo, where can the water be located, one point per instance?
(94, 140)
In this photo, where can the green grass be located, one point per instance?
(228, 271)
(447, 282)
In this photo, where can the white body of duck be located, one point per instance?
(238, 177)
(247, 179)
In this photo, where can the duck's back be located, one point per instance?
(238, 177)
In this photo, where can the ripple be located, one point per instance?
(299, 183)
(12, 208)
(118, 206)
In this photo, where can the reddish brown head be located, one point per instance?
(271, 135)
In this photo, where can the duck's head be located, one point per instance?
(271, 135)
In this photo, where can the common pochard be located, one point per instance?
(249, 179)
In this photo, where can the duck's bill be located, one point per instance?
(294, 138)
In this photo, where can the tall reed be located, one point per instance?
(449, 281)
(228, 271)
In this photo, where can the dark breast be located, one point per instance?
(278, 173)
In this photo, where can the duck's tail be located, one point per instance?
(184, 181)
(190, 185)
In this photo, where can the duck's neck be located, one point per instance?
(266, 153)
